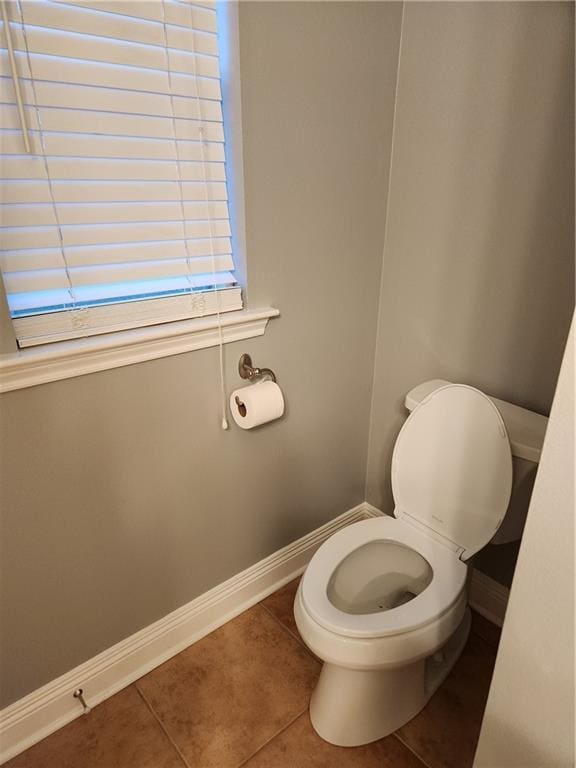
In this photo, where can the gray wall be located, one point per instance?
(477, 281)
(122, 498)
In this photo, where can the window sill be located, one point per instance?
(67, 359)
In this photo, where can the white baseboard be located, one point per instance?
(49, 708)
(371, 511)
(488, 597)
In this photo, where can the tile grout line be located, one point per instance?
(292, 634)
(411, 749)
(162, 726)
(268, 741)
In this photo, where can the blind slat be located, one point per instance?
(82, 145)
(12, 167)
(201, 247)
(108, 213)
(78, 256)
(120, 191)
(25, 192)
(174, 13)
(111, 123)
(111, 100)
(108, 170)
(108, 191)
(19, 238)
(139, 9)
(26, 215)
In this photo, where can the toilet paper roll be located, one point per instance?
(257, 404)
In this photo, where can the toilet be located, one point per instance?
(383, 602)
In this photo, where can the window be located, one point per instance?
(118, 217)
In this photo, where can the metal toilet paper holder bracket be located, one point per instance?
(248, 371)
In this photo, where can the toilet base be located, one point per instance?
(351, 707)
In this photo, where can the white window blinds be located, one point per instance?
(119, 217)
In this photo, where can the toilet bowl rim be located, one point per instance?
(448, 580)
(399, 648)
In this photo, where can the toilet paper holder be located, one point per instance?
(248, 371)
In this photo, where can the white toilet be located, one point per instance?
(383, 601)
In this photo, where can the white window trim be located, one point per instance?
(67, 359)
(32, 366)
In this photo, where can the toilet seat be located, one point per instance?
(452, 468)
(449, 578)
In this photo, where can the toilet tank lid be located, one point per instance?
(526, 429)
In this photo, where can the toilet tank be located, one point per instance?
(526, 431)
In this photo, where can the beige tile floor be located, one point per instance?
(239, 697)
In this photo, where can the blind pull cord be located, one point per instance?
(208, 199)
(15, 78)
(224, 421)
(225, 424)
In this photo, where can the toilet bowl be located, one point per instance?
(383, 602)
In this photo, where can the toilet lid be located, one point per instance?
(452, 467)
